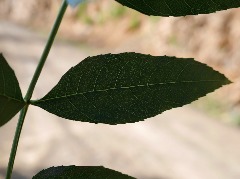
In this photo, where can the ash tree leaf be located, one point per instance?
(128, 87)
(80, 172)
(11, 100)
(179, 7)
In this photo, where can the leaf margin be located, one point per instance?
(171, 13)
(36, 102)
(43, 173)
(17, 102)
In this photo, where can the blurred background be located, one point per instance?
(200, 140)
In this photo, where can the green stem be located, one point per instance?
(46, 51)
(15, 141)
(32, 86)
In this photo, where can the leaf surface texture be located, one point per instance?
(179, 7)
(80, 172)
(11, 100)
(128, 87)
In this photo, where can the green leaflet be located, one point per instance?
(11, 100)
(128, 87)
(179, 7)
(83, 172)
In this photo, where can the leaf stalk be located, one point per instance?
(32, 86)
(46, 51)
(16, 141)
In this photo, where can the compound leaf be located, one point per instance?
(128, 87)
(80, 172)
(179, 7)
(11, 100)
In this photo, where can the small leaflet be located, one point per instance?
(74, 3)
(128, 87)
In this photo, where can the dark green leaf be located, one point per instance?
(11, 100)
(128, 87)
(83, 172)
(179, 7)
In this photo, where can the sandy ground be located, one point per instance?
(179, 144)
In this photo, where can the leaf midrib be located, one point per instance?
(11, 98)
(123, 88)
